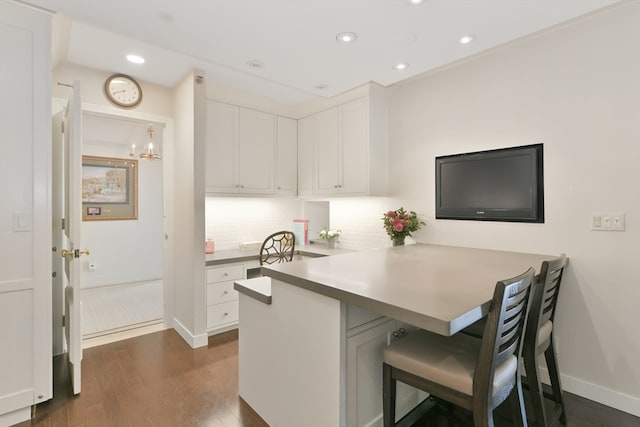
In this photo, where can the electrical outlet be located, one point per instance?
(92, 266)
(608, 221)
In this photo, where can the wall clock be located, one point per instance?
(123, 91)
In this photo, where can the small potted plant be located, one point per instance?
(330, 236)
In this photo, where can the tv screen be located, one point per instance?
(496, 185)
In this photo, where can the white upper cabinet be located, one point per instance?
(240, 151)
(328, 155)
(222, 148)
(305, 156)
(287, 157)
(348, 154)
(257, 144)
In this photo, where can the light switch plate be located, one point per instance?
(21, 221)
(608, 221)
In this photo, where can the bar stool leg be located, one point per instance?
(388, 397)
(554, 375)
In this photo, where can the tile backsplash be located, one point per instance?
(231, 220)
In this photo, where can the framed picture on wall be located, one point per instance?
(109, 189)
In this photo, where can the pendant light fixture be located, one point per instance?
(150, 150)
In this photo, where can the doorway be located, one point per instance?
(123, 289)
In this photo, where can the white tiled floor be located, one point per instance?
(112, 309)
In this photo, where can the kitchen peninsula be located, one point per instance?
(312, 355)
(225, 266)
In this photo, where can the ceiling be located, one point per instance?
(295, 40)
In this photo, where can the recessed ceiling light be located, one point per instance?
(320, 86)
(136, 59)
(401, 66)
(415, 2)
(465, 39)
(254, 63)
(347, 37)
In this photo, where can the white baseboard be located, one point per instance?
(217, 331)
(597, 393)
(195, 341)
(15, 417)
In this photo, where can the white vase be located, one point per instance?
(331, 243)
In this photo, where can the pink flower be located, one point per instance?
(398, 226)
(391, 214)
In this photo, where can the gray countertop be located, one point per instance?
(237, 255)
(439, 288)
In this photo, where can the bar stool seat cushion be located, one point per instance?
(450, 361)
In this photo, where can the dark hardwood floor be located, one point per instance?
(158, 380)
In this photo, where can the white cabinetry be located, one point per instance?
(25, 185)
(286, 157)
(365, 344)
(240, 150)
(341, 153)
(343, 150)
(222, 142)
(305, 156)
(222, 299)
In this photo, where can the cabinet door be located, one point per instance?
(328, 159)
(354, 139)
(256, 151)
(287, 157)
(364, 374)
(305, 156)
(221, 148)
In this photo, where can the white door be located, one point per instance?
(57, 215)
(72, 203)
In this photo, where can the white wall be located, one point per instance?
(576, 90)
(187, 234)
(156, 99)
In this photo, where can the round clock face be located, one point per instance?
(123, 91)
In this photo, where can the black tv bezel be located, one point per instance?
(533, 215)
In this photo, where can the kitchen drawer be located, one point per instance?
(220, 314)
(225, 272)
(221, 292)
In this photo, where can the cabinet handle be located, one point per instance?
(226, 292)
(226, 314)
(225, 274)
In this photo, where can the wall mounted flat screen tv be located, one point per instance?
(496, 185)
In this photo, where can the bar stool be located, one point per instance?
(538, 339)
(471, 373)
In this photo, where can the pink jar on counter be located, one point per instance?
(208, 247)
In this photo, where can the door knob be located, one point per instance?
(74, 253)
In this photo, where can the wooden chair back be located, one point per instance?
(545, 295)
(503, 336)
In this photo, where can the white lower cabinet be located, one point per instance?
(222, 299)
(365, 344)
